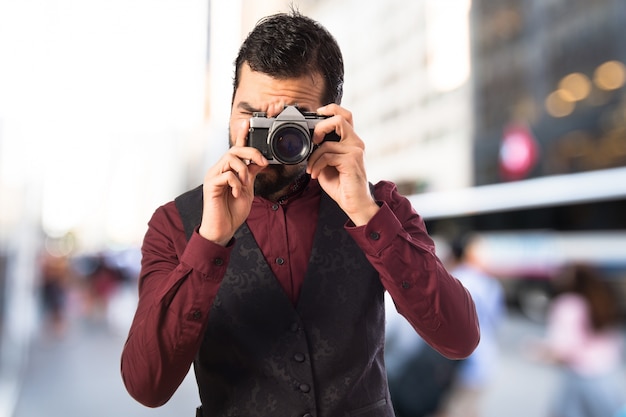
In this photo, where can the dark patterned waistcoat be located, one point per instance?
(263, 356)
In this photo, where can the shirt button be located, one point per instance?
(280, 261)
(304, 387)
(299, 357)
(275, 207)
(196, 315)
(374, 235)
(218, 262)
(405, 284)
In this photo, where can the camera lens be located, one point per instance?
(290, 145)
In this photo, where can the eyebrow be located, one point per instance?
(247, 107)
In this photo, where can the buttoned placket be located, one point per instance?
(277, 229)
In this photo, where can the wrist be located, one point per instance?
(222, 241)
(364, 214)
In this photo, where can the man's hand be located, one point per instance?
(340, 166)
(229, 190)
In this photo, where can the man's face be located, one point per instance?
(258, 92)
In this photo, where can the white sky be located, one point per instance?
(81, 83)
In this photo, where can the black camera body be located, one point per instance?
(287, 138)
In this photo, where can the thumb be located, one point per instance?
(254, 169)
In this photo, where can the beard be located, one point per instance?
(275, 180)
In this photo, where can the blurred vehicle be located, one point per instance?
(526, 262)
(530, 228)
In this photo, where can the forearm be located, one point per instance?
(174, 303)
(440, 309)
(437, 305)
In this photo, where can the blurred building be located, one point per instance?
(408, 86)
(550, 99)
(553, 71)
(549, 142)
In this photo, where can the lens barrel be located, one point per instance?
(290, 143)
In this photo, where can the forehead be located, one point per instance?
(261, 90)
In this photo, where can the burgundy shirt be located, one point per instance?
(179, 281)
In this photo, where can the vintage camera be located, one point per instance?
(287, 138)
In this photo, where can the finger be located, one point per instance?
(226, 182)
(230, 162)
(274, 109)
(241, 138)
(322, 164)
(242, 156)
(332, 154)
(334, 109)
(254, 171)
(323, 149)
(234, 184)
(339, 124)
(243, 151)
(321, 161)
(332, 126)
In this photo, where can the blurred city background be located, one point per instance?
(503, 118)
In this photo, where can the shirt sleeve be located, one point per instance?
(436, 304)
(177, 285)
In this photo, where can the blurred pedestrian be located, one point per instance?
(584, 340)
(477, 371)
(102, 284)
(419, 376)
(55, 277)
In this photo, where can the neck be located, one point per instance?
(292, 189)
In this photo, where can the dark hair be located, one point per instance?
(587, 281)
(459, 245)
(290, 45)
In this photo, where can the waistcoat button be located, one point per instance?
(304, 387)
(299, 357)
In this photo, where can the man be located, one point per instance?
(270, 278)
